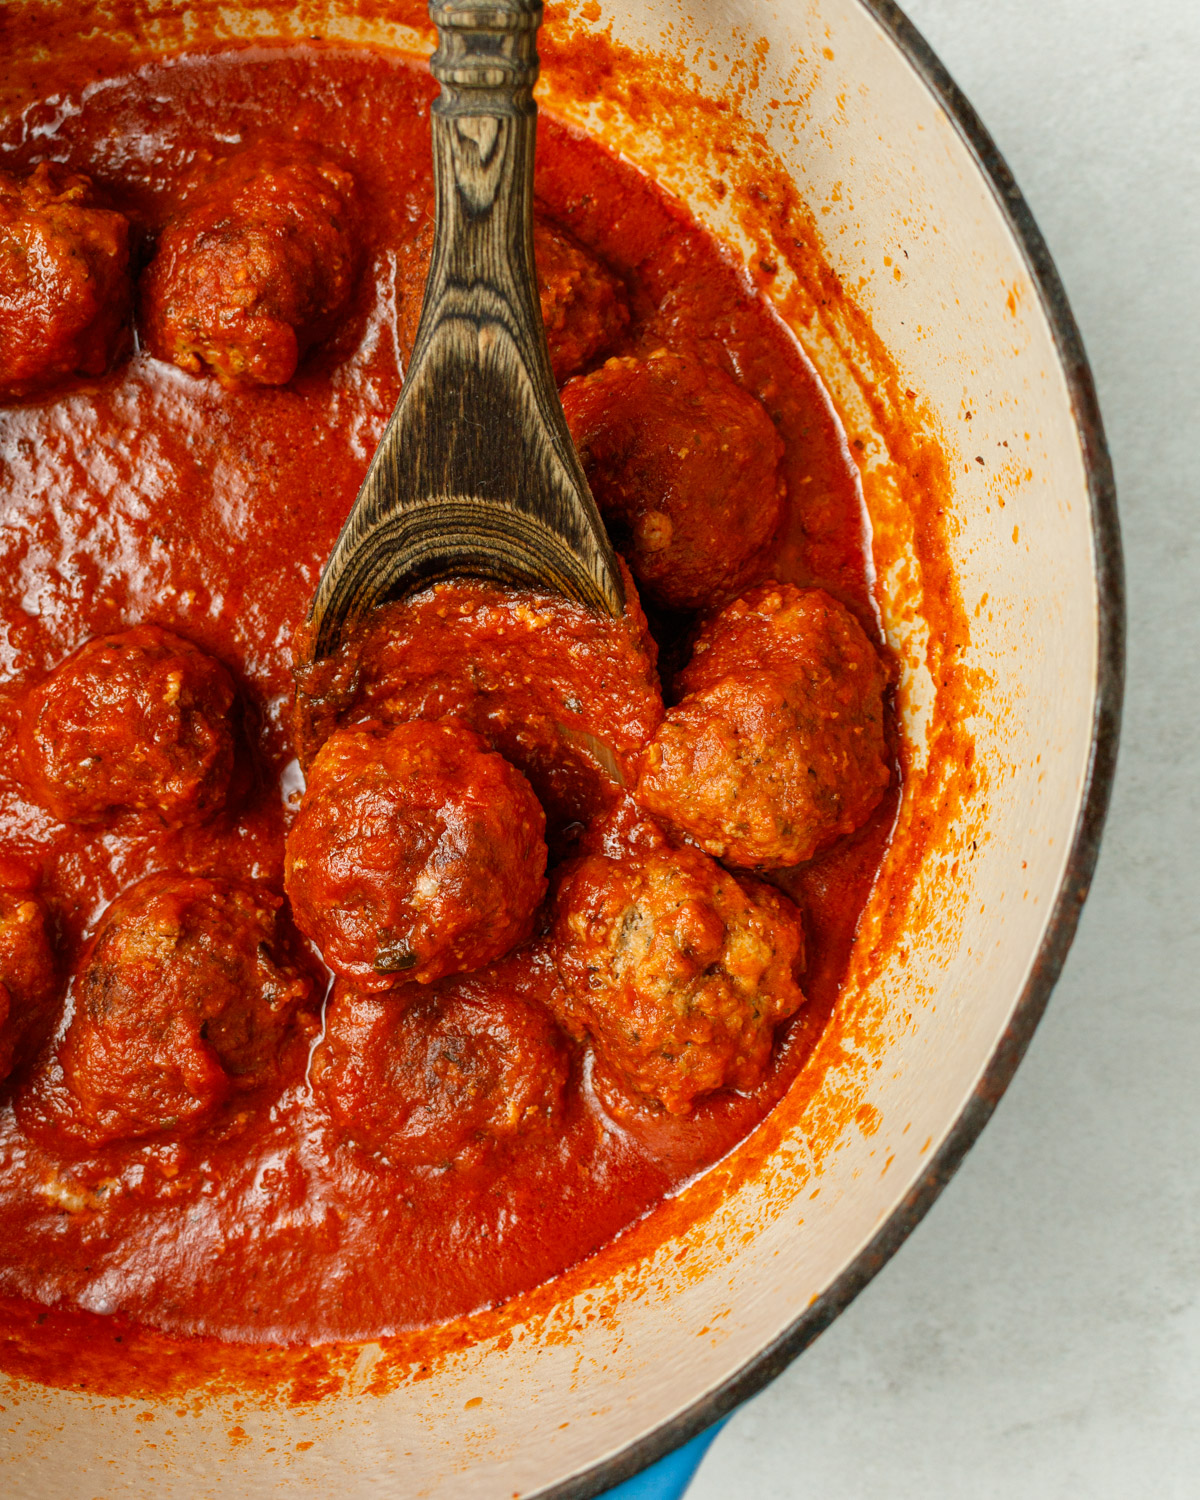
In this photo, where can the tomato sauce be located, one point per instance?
(151, 496)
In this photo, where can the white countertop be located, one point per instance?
(1038, 1338)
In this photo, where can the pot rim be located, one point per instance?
(1075, 884)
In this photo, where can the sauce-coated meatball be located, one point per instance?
(64, 280)
(777, 747)
(584, 307)
(255, 267)
(428, 1076)
(677, 971)
(569, 695)
(135, 722)
(28, 981)
(417, 852)
(183, 999)
(684, 466)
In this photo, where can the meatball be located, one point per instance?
(678, 972)
(417, 852)
(430, 1076)
(136, 722)
(28, 981)
(183, 999)
(569, 695)
(584, 307)
(685, 467)
(255, 268)
(777, 748)
(64, 280)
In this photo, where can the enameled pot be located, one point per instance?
(827, 145)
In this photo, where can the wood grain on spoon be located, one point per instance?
(476, 474)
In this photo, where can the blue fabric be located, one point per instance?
(670, 1476)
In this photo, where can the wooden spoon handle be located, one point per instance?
(476, 473)
(487, 55)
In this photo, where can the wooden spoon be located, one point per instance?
(476, 473)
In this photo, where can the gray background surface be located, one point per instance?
(1039, 1335)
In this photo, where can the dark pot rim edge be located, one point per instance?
(763, 1367)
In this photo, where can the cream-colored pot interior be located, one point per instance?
(910, 222)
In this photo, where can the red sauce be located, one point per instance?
(148, 496)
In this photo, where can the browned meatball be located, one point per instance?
(28, 980)
(777, 747)
(684, 466)
(568, 695)
(678, 972)
(584, 307)
(426, 1077)
(417, 852)
(183, 999)
(255, 268)
(135, 722)
(64, 280)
